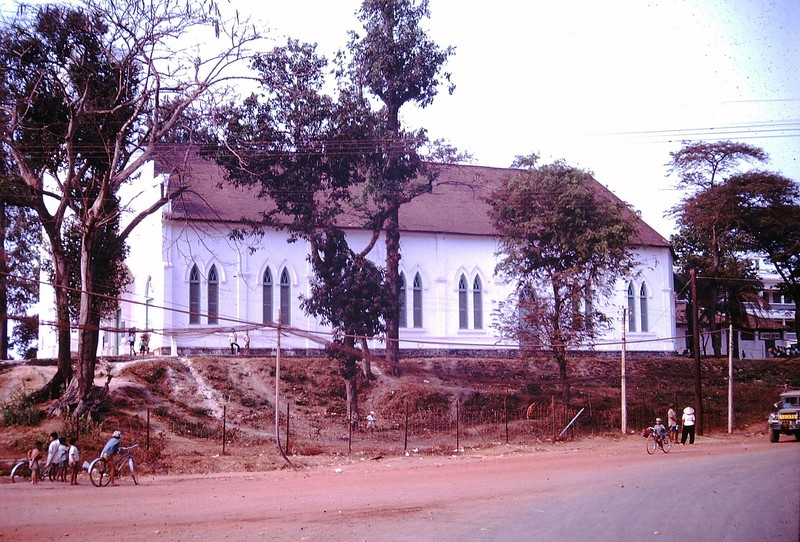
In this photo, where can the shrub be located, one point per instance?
(20, 410)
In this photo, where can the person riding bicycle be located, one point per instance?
(109, 451)
(659, 430)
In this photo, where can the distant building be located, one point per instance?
(194, 282)
(770, 326)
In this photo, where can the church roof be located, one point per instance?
(457, 203)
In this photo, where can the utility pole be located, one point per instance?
(623, 391)
(277, 394)
(698, 385)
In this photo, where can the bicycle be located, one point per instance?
(22, 470)
(658, 441)
(99, 473)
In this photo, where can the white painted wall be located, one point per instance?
(163, 250)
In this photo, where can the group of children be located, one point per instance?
(62, 455)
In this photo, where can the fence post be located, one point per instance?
(458, 447)
(224, 420)
(287, 426)
(505, 414)
(147, 433)
(405, 437)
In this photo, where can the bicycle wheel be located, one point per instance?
(50, 473)
(666, 444)
(20, 471)
(651, 444)
(132, 466)
(99, 472)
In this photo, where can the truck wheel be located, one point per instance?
(774, 436)
(797, 435)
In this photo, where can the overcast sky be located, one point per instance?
(609, 86)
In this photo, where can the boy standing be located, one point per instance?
(74, 459)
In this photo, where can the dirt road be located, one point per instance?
(721, 489)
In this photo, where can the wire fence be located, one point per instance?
(449, 428)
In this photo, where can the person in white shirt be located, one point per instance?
(63, 459)
(74, 461)
(688, 425)
(52, 452)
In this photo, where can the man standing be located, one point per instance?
(109, 451)
(688, 425)
(52, 453)
(232, 340)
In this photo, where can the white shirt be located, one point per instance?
(74, 455)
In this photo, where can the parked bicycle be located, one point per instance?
(655, 441)
(100, 473)
(22, 470)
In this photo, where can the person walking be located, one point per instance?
(246, 340)
(672, 423)
(688, 425)
(132, 341)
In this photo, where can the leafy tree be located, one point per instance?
(768, 213)
(563, 243)
(398, 63)
(727, 278)
(349, 293)
(20, 242)
(87, 92)
(301, 148)
(709, 238)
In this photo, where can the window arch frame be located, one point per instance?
(631, 308)
(417, 301)
(463, 309)
(267, 297)
(643, 308)
(285, 297)
(194, 295)
(477, 302)
(212, 301)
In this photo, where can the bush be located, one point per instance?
(20, 410)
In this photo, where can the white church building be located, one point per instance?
(193, 282)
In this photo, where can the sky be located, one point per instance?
(612, 87)
(609, 86)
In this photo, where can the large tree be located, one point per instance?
(87, 93)
(702, 167)
(304, 150)
(349, 293)
(727, 278)
(767, 211)
(564, 244)
(397, 62)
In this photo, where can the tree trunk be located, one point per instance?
(350, 374)
(88, 320)
(3, 284)
(393, 280)
(566, 390)
(63, 375)
(367, 366)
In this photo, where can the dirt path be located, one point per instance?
(348, 500)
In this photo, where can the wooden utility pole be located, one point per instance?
(698, 384)
(277, 393)
(623, 391)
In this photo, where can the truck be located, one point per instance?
(786, 420)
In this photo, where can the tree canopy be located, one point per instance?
(87, 93)
(563, 243)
